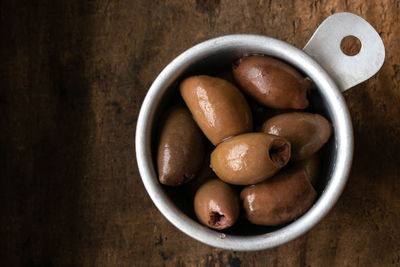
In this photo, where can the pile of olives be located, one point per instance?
(269, 174)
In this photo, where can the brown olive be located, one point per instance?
(272, 82)
(250, 158)
(280, 199)
(181, 147)
(306, 132)
(218, 107)
(217, 204)
(312, 166)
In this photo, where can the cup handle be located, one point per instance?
(347, 71)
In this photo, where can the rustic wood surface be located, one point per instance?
(73, 77)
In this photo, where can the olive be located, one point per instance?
(217, 204)
(181, 147)
(250, 158)
(272, 82)
(306, 132)
(218, 107)
(280, 199)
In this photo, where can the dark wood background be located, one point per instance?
(73, 77)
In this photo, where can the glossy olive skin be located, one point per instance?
(217, 204)
(280, 199)
(306, 132)
(218, 107)
(312, 167)
(272, 82)
(250, 158)
(181, 147)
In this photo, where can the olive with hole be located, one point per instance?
(250, 158)
(306, 132)
(272, 82)
(217, 204)
(280, 199)
(218, 107)
(181, 147)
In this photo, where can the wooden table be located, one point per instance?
(73, 77)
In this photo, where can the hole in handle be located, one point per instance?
(350, 45)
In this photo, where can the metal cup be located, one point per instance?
(332, 72)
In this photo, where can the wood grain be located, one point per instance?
(73, 77)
